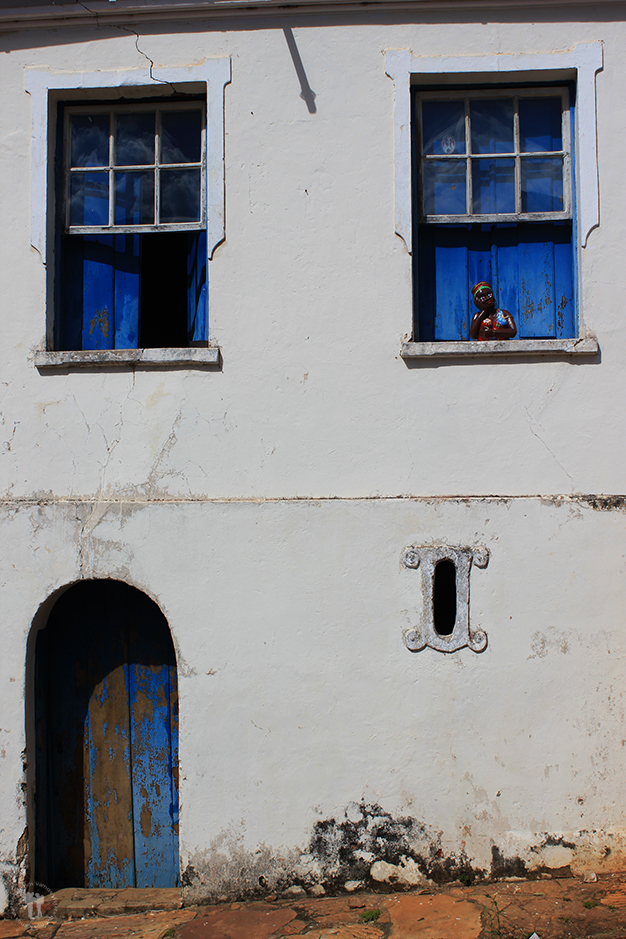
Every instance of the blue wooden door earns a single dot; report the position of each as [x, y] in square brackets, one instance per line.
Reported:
[107, 786]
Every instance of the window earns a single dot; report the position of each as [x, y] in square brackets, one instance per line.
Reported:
[132, 264]
[137, 260]
[504, 219]
[494, 174]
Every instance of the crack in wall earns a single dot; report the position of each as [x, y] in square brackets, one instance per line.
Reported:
[116, 440]
[133, 32]
[531, 420]
[153, 78]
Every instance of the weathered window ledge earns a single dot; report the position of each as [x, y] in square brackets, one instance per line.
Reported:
[136, 358]
[507, 347]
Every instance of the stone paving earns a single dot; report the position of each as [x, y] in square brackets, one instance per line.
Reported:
[552, 908]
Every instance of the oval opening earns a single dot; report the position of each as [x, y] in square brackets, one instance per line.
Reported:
[444, 597]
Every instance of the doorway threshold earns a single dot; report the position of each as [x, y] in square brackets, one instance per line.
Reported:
[78, 902]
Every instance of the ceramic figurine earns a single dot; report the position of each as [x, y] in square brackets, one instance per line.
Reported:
[489, 322]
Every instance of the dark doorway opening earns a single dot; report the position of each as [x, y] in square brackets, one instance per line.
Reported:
[106, 719]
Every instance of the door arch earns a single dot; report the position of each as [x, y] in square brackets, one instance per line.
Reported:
[106, 723]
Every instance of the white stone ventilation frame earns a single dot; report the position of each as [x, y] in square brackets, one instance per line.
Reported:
[424, 634]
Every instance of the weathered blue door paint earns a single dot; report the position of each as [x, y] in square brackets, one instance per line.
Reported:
[106, 711]
[530, 266]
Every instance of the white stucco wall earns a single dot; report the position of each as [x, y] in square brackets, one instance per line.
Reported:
[289, 481]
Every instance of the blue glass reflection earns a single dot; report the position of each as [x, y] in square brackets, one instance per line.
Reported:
[134, 198]
[89, 140]
[542, 185]
[443, 127]
[180, 196]
[444, 187]
[134, 139]
[540, 124]
[493, 186]
[89, 199]
[492, 126]
[181, 136]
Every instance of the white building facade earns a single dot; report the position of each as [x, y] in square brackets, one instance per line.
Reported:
[240, 408]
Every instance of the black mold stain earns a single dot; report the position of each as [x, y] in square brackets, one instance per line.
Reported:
[506, 866]
[189, 876]
[347, 849]
[14, 901]
[605, 503]
[553, 842]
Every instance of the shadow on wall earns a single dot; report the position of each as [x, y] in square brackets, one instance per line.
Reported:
[307, 92]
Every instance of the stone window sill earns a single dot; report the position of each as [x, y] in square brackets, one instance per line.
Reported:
[134, 358]
[555, 348]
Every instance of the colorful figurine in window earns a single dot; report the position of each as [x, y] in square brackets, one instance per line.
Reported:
[489, 322]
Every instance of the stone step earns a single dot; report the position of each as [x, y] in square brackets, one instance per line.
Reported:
[76, 902]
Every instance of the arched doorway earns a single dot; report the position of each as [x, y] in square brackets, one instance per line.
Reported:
[106, 720]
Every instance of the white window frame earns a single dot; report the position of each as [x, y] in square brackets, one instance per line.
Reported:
[582, 63]
[44, 85]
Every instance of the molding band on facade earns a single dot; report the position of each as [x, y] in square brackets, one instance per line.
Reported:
[108, 13]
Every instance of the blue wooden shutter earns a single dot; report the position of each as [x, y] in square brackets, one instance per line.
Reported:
[530, 266]
[197, 312]
[100, 292]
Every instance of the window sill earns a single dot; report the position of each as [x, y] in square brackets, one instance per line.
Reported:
[554, 348]
[135, 358]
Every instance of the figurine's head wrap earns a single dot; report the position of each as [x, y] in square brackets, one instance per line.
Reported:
[480, 286]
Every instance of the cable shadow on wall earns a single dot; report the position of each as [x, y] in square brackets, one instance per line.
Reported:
[306, 92]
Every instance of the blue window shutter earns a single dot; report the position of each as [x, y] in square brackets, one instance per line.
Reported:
[197, 312]
[530, 266]
[98, 327]
[451, 262]
[70, 327]
[127, 261]
[564, 285]
[100, 292]
[535, 311]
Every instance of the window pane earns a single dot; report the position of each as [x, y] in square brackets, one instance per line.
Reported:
[493, 186]
[180, 196]
[443, 127]
[542, 185]
[89, 140]
[134, 198]
[89, 199]
[181, 136]
[492, 126]
[134, 139]
[540, 124]
[444, 187]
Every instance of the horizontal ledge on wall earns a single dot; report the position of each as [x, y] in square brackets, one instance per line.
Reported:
[153, 358]
[43, 15]
[494, 349]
